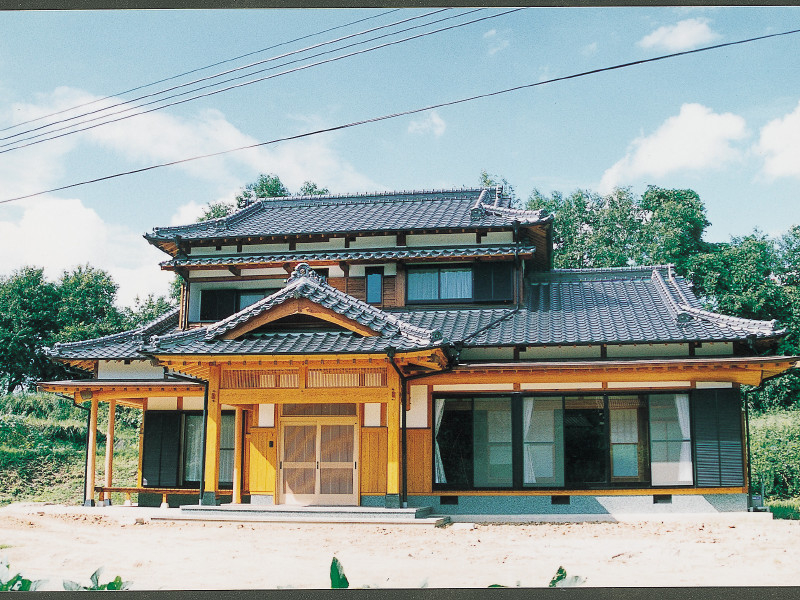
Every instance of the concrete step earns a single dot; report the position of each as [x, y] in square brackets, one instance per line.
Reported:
[322, 518]
[286, 512]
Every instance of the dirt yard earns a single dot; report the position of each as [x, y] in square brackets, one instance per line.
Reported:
[55, 543]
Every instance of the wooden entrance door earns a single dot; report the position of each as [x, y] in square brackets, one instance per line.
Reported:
[318, 461]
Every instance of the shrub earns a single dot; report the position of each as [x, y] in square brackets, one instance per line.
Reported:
[775, 453]
[785, 509]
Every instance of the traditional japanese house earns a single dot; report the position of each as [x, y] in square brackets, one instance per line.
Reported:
[418, 348]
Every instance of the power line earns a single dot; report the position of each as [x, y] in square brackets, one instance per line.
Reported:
[175, 87]
[216, 64]
[404, 113]
[17, 145]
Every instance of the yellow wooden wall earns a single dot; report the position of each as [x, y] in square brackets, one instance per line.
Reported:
[373, 460]
[419, 461]
[262, 461]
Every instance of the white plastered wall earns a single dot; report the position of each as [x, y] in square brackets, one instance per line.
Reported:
[135, 369]
[417, 415]
[636, 350]
[487, 354]
[559, 352]
[372, 414]
[714, 349]
[444, 239]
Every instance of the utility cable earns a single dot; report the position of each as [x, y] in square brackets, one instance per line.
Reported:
[221, 74]
[404, 113]
[216, 64]
[17, 145]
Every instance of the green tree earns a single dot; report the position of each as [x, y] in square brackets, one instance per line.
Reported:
[311, 189]
[215, 210]
[145, 310]
[28, 322]
[86, 306]
[736, 279]
[673, 223]
[266, 186]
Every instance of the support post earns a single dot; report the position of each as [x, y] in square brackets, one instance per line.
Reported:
[213, 427]
[237, 457]
[112, 410]
[90, 456]
[393, 444]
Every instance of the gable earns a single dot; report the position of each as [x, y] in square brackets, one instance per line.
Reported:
[297, 307]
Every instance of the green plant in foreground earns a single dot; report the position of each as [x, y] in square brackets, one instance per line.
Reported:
[15, 583]
[561, 579]
[785, 509]
[115, 584]
[338, 578]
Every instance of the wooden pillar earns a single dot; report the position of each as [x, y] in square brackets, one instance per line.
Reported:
[139, 476]
[90, 456]
[213, 427]
[112, 410]
[237, 457]
[393, 442]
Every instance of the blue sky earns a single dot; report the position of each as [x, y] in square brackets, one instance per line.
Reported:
[725, 123]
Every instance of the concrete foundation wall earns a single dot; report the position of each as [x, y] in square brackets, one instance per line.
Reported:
[578, 505]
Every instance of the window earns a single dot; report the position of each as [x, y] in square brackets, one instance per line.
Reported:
[523, 441]
[494, 281]
[374, 277]
[670, 443]
[439, 283]
[219, 304]
[173, 449]
[481, 282]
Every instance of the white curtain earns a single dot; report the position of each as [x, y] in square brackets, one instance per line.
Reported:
[456, 283]
[439, 466]
[423, 285]
[527, 417]
[685, 465]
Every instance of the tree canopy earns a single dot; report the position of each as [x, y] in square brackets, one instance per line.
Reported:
[35, 313]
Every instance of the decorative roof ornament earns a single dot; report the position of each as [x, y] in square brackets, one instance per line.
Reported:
[477, 213]
[304, 270]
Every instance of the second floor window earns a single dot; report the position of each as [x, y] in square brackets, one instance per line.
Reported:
[439, 283]
[218, 304]
[374, 277]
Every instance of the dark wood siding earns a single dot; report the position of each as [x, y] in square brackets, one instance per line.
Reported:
[717, 422]
[161, 454]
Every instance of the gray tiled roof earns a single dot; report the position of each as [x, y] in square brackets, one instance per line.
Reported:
[395, 211]
[119, 346]
[382, 254]
[305, 283]
[565, 307]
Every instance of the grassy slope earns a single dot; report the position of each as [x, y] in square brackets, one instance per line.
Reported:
[42, 449]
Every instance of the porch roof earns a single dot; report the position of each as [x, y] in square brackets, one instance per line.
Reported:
[641, 305]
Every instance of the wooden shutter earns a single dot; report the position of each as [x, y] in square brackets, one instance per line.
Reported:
[161, 453]
[717, 422]
[493, 281]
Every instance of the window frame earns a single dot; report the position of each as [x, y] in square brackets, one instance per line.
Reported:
[473, 269]
[237, 300]
[368, 271]
[642, 481]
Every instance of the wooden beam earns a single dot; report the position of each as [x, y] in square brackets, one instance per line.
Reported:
[91, 454]
[112, 409]
[299, 396]
[393, 439]
[213, 427]
[237, 457]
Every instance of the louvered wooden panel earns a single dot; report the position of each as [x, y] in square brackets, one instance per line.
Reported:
[390, 291]
[373, 460]
[729, 419]
[706, 441]
[252, 379]
[419, 461]
[357, 287]
[340, 283]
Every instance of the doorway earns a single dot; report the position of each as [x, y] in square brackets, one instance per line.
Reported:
[318, 464]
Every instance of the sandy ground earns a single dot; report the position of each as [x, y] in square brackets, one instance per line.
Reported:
[55, 543]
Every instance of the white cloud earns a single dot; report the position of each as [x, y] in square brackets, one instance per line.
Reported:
[490, 33]
[61, 233]
[697, 138]
[589, 49]
[779, 144]
[431, 123]
[687, 34]
[497, 41]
